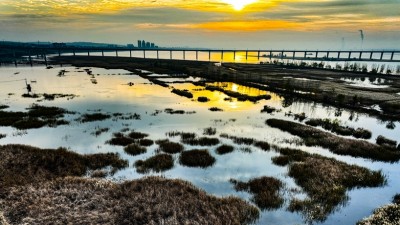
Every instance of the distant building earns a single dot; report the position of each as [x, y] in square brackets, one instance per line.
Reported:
[152, 45]
[130, 45]
[143, 44]
[139, 43]
[148, 45]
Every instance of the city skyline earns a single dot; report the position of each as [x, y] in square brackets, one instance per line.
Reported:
[255, 24]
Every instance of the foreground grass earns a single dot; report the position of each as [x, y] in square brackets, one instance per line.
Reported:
[150, 200]
[21, 164]
[388, 214]
[338, 145]
[325, 180]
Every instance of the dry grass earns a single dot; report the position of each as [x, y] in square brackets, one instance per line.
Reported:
[150, 200]
[36, 117]
[325, 180]
[225, 149]
[265, 191]
[338, 145]
[202, 141]
[21, 164]
[157, 163]
[170, 147]
[197, 158]
[135, 149]
[335, 127]
[94, 117]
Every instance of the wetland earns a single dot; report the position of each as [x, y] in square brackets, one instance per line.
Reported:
[246, 143]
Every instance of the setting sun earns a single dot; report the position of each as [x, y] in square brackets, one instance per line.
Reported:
[239, 4]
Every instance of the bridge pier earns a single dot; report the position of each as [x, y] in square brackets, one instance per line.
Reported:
[184, 55]
[197, 55]
[234, 55]
[360, 56]
[381, 55]
[327, 54]
[45, 57]
[370, 57]
[158, 55]
[170, 54]
[30, 59]
[316, 54]
[222, 55]
[144, 54]
[282, 55]
[73, 52]
[116, 53]
[305, 54]
[130, 53]
[258, 55]
[294, 55]
[270, 56]
[88, 53]
[102, 53]
[338, 55]
[209, 55]
[247, 53]
[391, 57]
[350, 55]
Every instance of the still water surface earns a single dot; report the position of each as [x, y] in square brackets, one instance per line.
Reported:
[111, 94]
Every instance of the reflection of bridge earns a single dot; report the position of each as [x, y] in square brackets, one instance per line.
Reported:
[314, 55]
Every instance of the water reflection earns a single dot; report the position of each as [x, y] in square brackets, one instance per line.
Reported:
[112, 94]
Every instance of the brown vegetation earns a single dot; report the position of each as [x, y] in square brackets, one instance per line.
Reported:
[150, 200]
[134, 149]
[21, 164]
[336, 128]
[169, 147]
[196, 158]
[342, 146]
[265, 191]
[157, 163]
[325, 180]
[224, 149]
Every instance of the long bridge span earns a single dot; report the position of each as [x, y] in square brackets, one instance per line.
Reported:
[30, 52]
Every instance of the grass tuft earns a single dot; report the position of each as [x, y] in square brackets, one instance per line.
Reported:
[134, 149]
[170, 147]
[265, 191]
[196, 158]
[224, 149]
[157, 163]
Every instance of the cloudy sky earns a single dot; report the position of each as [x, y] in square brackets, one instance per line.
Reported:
[251, 24]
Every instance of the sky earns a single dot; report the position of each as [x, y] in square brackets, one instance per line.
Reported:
[246, 24]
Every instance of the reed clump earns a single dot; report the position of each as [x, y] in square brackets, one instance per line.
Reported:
[225, 149]
[157, 163]
[94, 117]
[36, 117]
[338, 145]
[197, 158]
[265, 190]
[183, 93]
[169, 147]
[383, 141]
[202, 141]
[335, 127]
[134, 149]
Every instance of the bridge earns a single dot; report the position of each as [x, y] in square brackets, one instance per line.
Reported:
[30, 52]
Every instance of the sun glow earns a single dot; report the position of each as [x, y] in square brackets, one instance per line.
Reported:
[239, 4]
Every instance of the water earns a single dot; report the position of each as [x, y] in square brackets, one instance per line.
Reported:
[111, 94]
